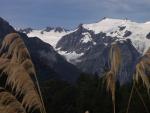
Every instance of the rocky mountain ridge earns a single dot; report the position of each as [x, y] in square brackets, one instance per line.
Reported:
[48, 63]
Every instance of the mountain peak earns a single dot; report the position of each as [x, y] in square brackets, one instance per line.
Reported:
[55, 29]
[2, 20]
[26, 30]
[49, 35]
[5, 28]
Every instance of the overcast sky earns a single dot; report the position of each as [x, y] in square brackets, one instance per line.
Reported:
[70, 13]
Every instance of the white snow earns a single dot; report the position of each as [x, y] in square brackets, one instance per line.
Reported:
[138, 36]
[51, 37]
[105, 44]
[71, 57]
[105, 25]
[94, 43]
[87, 38]
[108, 26]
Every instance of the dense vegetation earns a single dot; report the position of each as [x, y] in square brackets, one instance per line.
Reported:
[90, 94]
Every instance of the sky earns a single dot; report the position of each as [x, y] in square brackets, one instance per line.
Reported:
[70, 13]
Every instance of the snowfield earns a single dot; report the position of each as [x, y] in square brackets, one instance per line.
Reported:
[123, 29]
[87, 37]
[51, 37]
[112, 27]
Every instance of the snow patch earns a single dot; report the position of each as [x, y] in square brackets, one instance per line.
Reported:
[71, 57]
[106, 44]
[94, 43]
[51, 37]
[87, 38]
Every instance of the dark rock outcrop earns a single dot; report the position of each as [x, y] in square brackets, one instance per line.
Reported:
[56, 29]
[127, 33]
[121, 28]
[148, 36]
[26, 30]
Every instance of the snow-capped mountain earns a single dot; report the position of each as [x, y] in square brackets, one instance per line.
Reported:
[138, 33]
[88, 46]
[113, 29]
[121, 29]
[49, 35]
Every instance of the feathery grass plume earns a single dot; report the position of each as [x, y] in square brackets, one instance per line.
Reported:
[7, 41]
[142, 68]
[115, 58]
[111, 75]
[9, 103]
[3, 63]
[16, 64]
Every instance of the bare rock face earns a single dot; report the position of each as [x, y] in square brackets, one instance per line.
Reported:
[56, 29]
[127, 33]
[26, 30]
[148, 36]
[121, 28]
